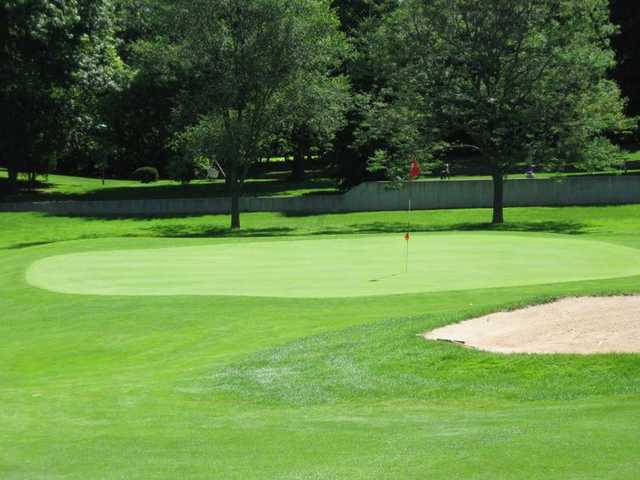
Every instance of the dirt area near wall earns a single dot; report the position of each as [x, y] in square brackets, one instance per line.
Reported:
[584, 325]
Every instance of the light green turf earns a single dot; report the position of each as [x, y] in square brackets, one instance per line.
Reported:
[262, 388]
[336, 267]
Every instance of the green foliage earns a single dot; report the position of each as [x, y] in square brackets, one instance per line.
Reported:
[311, 110]
[184, 169]
[58, 59]
[626, 14]
[358, 19]
[404, 131]
[140, 114]
[526, 81]
[243, 57]
[146, 175]
[198, 147]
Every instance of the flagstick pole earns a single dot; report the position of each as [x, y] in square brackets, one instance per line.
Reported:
[406, 263]
[414, 172]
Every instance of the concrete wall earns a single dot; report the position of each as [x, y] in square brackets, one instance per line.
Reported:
[588, 190]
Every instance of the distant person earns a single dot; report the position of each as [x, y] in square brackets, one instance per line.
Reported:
[446, 172]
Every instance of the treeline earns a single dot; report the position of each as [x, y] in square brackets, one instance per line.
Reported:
[103, 87]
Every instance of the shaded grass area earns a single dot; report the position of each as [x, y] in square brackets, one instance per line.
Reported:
[249, 388]
[62, 187]
[30, 229]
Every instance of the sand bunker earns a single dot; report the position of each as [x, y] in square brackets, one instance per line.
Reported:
[584, 325]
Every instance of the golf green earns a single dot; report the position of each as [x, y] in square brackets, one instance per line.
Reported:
[336, 267]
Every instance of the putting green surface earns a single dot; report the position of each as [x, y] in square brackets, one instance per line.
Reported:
[336, 267]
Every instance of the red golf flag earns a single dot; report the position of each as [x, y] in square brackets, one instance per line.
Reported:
[414, 172]
[407, 236]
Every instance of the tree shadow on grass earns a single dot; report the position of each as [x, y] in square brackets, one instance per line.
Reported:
[179, 229]
[191, 231]
[208, 231]
[567, 228]
[18, 246]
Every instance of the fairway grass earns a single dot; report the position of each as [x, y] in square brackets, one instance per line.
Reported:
[335, 267]
[288, 388]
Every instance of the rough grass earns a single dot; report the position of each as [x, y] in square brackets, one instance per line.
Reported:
[242, 388]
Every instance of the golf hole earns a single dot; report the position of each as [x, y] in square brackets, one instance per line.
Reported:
[336, 267]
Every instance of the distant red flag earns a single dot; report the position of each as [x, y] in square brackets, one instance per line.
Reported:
[407, 236]
[414, 172]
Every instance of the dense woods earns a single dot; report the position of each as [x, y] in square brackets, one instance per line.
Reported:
[103, 88]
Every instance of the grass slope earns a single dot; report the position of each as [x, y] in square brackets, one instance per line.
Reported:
[288, 388]
[64, 187]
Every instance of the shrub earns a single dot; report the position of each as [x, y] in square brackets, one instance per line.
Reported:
[183, 169]
[146, 175]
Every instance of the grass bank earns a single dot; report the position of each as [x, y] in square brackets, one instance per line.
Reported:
[298, 388]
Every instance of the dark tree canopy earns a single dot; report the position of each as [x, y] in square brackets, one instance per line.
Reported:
[108, 86]
[58, 58]
[358, 19]
[626, 14]
[246, 60]
[525, 81]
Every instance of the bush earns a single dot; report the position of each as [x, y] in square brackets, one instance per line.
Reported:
[146, 175]
[184, 169]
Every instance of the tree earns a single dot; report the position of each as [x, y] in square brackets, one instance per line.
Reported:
[626, 13]
[520, 80]
[55, 56]
[310, 111]
[358, 19]
[243, 57]
[140, 115]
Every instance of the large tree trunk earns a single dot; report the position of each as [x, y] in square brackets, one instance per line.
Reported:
[235, 208]
[297, 172]
[13, 179]
[236, 178]
[498, 198]
[32, 178]
[301, 149]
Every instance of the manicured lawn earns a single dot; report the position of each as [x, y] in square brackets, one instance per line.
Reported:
[333, 267]
[233, 387]
[633, 156]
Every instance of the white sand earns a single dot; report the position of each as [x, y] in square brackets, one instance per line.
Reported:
[585, 325]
